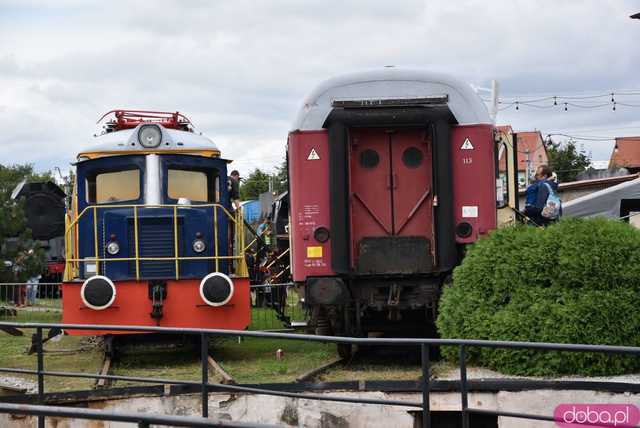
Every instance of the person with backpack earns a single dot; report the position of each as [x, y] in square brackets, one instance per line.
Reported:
[542, 204]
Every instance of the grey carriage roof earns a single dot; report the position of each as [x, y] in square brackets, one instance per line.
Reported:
[127, 139]
[605, 202]
[391, 82]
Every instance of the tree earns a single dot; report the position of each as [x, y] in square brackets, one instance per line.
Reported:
[577, 281]
[281, 178]
[256, 183]
[566, 160]
[17, 262]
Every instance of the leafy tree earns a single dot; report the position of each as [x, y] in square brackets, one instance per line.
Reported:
[20, 256]
[281, 178]
[577, 281]
[566, 160]
[256, 183]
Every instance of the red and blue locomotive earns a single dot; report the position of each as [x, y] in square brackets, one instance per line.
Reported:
[149, 237]
[392, 172]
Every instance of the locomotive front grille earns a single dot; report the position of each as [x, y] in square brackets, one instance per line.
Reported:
[155, 239]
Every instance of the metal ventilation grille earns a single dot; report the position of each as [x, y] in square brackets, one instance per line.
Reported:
[155, 239]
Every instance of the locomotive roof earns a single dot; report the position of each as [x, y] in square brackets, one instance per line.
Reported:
[391, 83]
[173, 141]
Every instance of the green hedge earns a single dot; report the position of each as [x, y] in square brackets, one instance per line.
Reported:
[577, 281]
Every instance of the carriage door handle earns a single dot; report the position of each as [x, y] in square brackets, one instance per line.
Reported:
[389, 181]
[394, 181]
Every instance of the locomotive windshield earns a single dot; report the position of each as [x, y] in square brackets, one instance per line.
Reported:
[114, 186]
[188, 184]
[196, 186]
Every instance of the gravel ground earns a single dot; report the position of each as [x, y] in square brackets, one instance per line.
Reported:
[16, 382]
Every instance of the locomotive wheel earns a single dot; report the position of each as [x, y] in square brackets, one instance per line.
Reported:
[345, 350]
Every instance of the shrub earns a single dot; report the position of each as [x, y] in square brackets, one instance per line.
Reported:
[577, 281]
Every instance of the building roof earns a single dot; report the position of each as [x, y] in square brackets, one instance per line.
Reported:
[605, 202]
[626, 152]
[505, 132]
[391, 83]
[531, 142]
[507, 129]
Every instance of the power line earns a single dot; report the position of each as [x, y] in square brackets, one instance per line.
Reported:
[567, 101]
[537, 97]
[564, 104]
[577, 137]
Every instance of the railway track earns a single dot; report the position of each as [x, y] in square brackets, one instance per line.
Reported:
[107, 363]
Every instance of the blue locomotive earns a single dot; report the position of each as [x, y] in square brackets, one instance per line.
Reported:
[151, 238]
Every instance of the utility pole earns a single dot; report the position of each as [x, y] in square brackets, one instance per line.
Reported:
[493, 111]
[528, 169]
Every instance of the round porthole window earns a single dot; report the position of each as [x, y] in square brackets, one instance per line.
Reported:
[412, 157]
[369, 159]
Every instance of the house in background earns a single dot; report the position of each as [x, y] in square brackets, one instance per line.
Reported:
[626, 154]
[531, 153]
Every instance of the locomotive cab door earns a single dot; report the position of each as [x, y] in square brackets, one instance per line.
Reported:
[391, 201]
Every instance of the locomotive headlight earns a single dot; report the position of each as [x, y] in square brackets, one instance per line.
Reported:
[199, 246]
[216, 289]
[98, 292]
[113, 248]
[149, 136]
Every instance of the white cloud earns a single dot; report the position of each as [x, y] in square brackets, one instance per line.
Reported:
[240, 69]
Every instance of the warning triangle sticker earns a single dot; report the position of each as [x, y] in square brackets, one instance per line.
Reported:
[313, 155]
[467, 145]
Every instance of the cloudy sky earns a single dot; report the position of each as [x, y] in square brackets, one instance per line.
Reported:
[240, 69]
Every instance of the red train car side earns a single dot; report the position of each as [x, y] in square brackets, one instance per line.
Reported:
[391, 172]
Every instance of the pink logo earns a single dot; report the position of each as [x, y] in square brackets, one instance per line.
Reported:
[597, 415]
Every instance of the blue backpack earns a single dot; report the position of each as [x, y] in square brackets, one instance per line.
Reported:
[551, 210]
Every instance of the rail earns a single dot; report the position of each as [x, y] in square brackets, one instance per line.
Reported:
[71, 238]
[205, 386]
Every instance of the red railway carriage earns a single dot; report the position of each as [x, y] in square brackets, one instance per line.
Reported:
[391, 173]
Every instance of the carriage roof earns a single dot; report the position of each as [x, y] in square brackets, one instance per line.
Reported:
[391, 83]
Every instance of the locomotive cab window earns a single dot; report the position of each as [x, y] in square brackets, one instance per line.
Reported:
[113, 186]
[196, 186]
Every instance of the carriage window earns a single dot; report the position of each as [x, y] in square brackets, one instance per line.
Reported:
[369, 159]
[412, 157]
[192, 185]
[115, 186]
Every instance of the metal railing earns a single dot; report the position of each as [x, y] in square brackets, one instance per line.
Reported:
[29, 297]
[276, 307]
[205, 386]
[71, 239]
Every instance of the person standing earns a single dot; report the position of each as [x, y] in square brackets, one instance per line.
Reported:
[20, 291]
[234, 189]
[233, 186]
[32, 290]
[537, 195]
